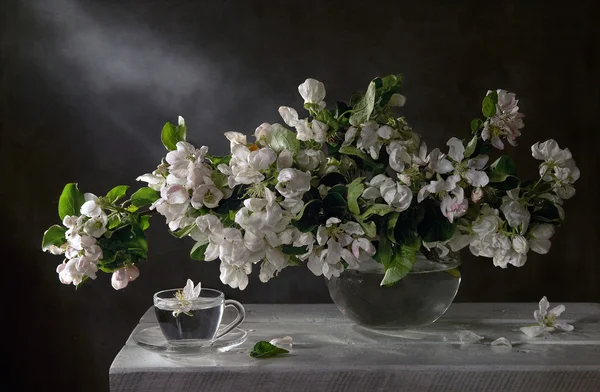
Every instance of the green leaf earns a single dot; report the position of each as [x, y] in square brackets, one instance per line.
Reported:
[264, 349]
[476, 125]
[280, 138]
[369, 163]
[172, 134]
[504, 165]
[184, 231]
[55, 235]
[219, 179]
[70, 201]
[502, 174]
[332, 179]
[435, 226]
[377, 209]
[334, 205]
[294, 250]
[546, 212]
[216, 161]
[389, 81]
[127, 244]
[197, 252]
[370, 228]
[117, 193]
[113, 221]
[384, 250]
[341, 189]
[309, 216]
[402, 261]
[355, 190]
[471, 146]
[363, 109]
[144, 197]
[488, 106]
[145, 221]
[391, 226]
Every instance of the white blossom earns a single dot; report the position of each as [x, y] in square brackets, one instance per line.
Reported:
[456, 149]
[96, 227]
[539, 237]
[313, 92]
[547, 320]
[261, 133]
[507, 121]
[91, 208]
[438, 162]
[293, 183]
[363, 249]
[397, 100]
[315, 130]
[396, 194]
[438, 187]
[515, 210]
[206, 195]
[372, 137]
[186, 296]
[399, 156]
[184, 159]
[474, 173]
[235, 275]
[309, 159]
[520, 244]
[235, 138]
[68, 273]
[454, 205]
[245, 166]
[558, 167]
[333, 239]
[285, 160]
[121, 277]
[488, 222]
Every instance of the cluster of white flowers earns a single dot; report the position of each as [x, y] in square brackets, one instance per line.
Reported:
[453, 204]
[490, 239]
[185, 184]
[81, 250]
[338, 241]
[507, 122]
[313, 92]
[280, 199]
[393, 192]
[558, 167]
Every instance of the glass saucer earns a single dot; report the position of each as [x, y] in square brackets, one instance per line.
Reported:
[152, 339]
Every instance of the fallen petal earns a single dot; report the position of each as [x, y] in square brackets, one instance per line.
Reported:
[564, 326]
[467, 337]
[501, 346]
[284, 342]
[501, 342]
[533, 331]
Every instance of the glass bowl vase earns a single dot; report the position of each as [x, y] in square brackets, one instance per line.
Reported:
[417, 300]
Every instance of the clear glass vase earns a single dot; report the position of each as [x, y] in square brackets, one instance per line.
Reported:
[417, 300]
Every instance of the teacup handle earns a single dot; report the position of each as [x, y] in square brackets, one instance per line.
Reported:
[241, 315]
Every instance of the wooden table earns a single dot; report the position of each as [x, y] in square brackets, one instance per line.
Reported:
[331, 354]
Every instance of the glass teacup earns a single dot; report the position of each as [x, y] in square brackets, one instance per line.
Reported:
[195, 321]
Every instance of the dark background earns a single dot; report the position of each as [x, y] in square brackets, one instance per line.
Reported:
[87, 85]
